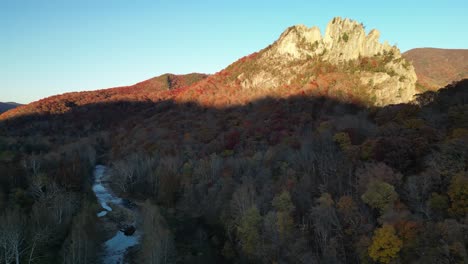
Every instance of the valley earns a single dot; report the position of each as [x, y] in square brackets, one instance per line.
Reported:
[315, 149]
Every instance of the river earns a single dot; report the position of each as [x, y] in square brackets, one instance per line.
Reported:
[116, 247]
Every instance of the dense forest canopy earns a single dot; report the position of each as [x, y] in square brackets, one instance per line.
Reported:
[302, 178]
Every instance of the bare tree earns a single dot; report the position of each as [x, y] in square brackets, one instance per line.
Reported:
[39, 235]
[168, 179]
[50, 215]
[322, 162]
[32, 165]
[41, 228]
[134, 169]
[158, 244]
[12, 236]
[327, 228]
[123, 175]
[80, 246]
[243, 199]
[63, 207]
[417, 191]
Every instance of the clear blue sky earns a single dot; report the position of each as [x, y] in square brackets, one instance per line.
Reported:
[49, 47]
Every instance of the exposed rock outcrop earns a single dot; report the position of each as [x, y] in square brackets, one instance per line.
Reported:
[392, 81]
[346, 39]
[128, 230]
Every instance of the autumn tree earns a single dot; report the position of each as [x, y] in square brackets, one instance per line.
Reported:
[376, 171]
[284, 207]
[343, 140]
[380, 195]
[385, 244]
[350, 215]
[249, 231]
[438, 204]
[458, 193]
[454, 237]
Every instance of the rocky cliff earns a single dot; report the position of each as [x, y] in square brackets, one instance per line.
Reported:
[345, 44]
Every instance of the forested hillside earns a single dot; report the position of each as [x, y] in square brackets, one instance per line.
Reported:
[298, 179]
[438, 67]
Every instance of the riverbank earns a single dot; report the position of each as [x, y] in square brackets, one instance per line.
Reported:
[117, 218]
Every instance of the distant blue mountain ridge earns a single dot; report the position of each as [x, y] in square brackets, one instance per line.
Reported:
[7, 106]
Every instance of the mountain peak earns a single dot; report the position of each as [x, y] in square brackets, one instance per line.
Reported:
[344, 39]
[297, 41]
[345, 44]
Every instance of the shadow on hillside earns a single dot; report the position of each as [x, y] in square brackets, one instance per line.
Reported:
[277, 114]
[80, 120]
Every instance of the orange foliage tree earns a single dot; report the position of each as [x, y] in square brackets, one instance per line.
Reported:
[385, 245]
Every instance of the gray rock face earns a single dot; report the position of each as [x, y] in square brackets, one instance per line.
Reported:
[297, 42]
[344, 40]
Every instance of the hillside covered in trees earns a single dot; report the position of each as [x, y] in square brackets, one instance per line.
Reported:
[298, 180]
[438, 67]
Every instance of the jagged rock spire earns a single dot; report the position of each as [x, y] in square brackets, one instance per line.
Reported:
[344, 40]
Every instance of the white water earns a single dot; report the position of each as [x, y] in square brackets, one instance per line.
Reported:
[103, 194]
[116, 247]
